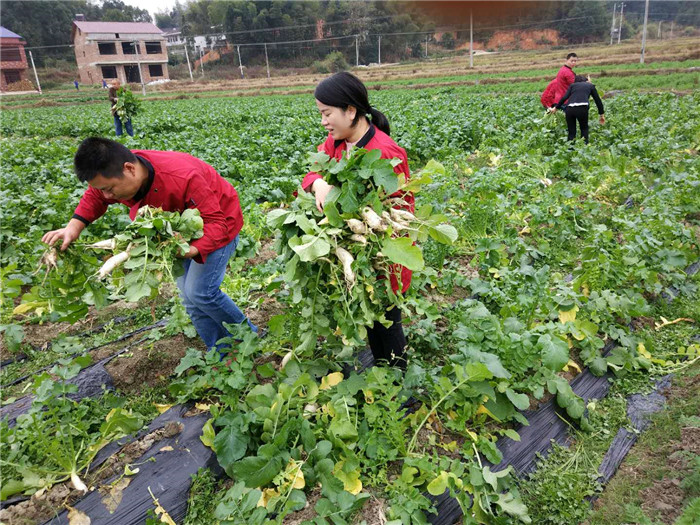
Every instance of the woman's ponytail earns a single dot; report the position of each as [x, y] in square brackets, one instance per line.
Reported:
[380, 121]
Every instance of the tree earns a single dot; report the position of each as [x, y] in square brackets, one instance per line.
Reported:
[591, 22]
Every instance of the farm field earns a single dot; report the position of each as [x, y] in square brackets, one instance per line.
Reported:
[568, 260]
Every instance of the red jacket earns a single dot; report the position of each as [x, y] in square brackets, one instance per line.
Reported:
[373, 139]
[180, 181]
[547, 97]
[564, 79]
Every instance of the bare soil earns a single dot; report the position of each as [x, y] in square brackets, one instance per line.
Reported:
[261, 315]
[149, 364]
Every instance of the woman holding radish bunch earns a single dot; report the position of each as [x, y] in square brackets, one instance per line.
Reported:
[175, 182]
[352, 122]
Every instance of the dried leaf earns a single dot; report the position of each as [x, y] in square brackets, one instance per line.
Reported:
[160, 511]
[162, 408]
[166, 448]
[76, 517]
[113, 498]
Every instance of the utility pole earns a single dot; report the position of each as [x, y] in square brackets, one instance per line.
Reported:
[426, 46]
[267, 62]
[471, 40]
[31, 57]
[201, 60]
[240, 63]
[612, 27]
[644, 31]
[357, 50]
[658, 35]
[138, 63]
[671, 35]
[622, 11]
[379, 50]
[189, 67]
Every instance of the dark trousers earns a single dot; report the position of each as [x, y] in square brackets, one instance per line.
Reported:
[389, 344]
[118, 127]
[580, 114]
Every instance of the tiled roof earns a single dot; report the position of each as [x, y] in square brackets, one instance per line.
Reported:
[117, 27]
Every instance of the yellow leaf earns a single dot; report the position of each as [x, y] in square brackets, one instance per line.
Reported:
[160, 511]
[473, 435]
[369, 396]
[27, 307]
[451, 446]
[572, 364]
[208, 434]
[162, 408]
[569, 315]
[166, 448]
[642, 350]
[331, 380]
[202, 406]
[483, 410]
[585, 290]
[75, 517]
[113, 497]
[266, 496]
[351, 480]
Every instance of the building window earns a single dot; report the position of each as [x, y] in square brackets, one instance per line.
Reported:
[155, 70]
[109, 72]
[107, 48]
[153, 48]
[12, 76]
[131, 48]
[116, 35]
[10, 54]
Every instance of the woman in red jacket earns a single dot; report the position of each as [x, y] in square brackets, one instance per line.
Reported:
[352, 122]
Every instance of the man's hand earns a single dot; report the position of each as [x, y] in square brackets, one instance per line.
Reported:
[191, 254]
[553, 109]
[602, 119]
[321, 189]
[68, 234]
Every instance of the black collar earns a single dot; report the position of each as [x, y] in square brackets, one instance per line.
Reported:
[151, 175]
[364, 140]
[568, 67]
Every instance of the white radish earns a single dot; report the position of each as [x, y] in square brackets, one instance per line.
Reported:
[323, 221]
[373, 220]
[402, 215]
[77, 482]
[346, 260]
[361, 239]
[108, 244]
[396, 226]
[112, 263]
[286, 359]
[357, 226]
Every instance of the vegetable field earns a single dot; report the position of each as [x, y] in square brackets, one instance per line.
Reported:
[535, 262]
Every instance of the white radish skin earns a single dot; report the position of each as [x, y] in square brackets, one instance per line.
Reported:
[77, 482]
[108, 244]
[396, 226]
[361, 239]
[286, 359]
[323, 221]
[402, 215]
[357, 226]
[112, 263]
[346, 260]
[373, 220]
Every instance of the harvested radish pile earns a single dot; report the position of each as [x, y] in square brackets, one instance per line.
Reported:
[341, 262]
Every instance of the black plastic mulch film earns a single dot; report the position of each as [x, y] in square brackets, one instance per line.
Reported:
[169, 477]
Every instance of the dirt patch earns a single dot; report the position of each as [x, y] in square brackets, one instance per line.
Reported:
[41, 506]
[39, 335]
[690, 440]
[266, 253]
[270, 307]
[664, 499]
[372, 513]
[149, 364]
[307, 513]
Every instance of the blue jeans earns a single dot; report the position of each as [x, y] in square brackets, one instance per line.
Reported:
[206, 304]
[118, 127]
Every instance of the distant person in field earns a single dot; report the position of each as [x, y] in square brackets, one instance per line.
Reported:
[565, 76]
[172, 181]
[77, 86]
[352, 122]
[578, 96]
[116, 84]
[104, 84]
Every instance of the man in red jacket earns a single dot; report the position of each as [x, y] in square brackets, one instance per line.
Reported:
[172, 181]
[565, 76]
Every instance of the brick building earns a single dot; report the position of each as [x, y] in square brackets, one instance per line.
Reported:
[123, 50]
[13, 60]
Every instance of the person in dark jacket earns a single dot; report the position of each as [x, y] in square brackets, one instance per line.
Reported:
[172, 181]
[577, 97]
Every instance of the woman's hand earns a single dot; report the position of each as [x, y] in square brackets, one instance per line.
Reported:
[602, 119]
[320, 188]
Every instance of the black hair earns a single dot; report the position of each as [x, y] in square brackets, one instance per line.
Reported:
[571, 55]
[100, 156]
[580, 78]
[345, 89]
